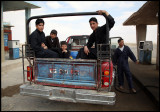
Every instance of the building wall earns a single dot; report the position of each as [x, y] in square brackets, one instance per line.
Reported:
[157, 60]
[9, 33]
[2, 38]
[140, 35]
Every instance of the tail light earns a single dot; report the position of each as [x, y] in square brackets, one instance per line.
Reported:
[106, 73]
[29, 72]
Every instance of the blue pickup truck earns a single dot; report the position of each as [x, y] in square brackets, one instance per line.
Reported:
[69, 80]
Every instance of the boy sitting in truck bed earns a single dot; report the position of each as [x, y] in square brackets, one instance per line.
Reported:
[65, 53]
[52, 41]
[38, 43]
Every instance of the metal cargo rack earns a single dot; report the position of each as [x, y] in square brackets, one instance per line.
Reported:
[29, 54]
[104, 55]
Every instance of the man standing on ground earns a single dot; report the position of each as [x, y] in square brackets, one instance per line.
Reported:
[37, 41]
[98, 36]
[121, 60]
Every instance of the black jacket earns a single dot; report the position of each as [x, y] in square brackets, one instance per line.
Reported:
[99, 35]
[36, 39]
[64, 55]
[50, 44]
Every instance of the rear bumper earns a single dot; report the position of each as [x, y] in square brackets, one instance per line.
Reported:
[69, 94]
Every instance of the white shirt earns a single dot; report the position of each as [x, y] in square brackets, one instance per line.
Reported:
[52, 40]
[121, 48]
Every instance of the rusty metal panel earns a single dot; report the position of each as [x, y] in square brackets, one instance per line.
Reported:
[76, 72]
[69, 94]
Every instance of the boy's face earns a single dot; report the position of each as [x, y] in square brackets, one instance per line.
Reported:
[53, 35]
[40, 27]
[93, 25]
[64, 47]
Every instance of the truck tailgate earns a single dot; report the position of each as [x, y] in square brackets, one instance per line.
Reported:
[75, 73]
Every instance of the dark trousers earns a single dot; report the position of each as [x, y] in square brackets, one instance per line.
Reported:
[121, 71]
[46, 53]
[92, 55]
[58, 51]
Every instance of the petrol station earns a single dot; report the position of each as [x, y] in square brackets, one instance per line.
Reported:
[142, 73]
[6, 28]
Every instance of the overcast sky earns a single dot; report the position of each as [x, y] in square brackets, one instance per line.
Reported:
[79, 25]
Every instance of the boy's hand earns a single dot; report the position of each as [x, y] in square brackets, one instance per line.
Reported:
[100, 12]
[86, 50]
[137, 62]
[64, 51]
[45, 47]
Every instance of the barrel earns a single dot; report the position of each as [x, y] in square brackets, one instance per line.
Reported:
[73, 54]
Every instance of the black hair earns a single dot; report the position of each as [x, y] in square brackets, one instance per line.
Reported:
[54, 32]
[38, 21]
[119, 40]
[63, 43]
[93, 19]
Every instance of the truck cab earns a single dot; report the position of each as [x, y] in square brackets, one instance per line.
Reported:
[75, 42]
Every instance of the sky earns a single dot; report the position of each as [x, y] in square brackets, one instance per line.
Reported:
[79, 25]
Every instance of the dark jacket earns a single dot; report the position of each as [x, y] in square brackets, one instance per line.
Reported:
[50, 44]
[121, 58]
[99, 35]
[36, 39]
[65, 55]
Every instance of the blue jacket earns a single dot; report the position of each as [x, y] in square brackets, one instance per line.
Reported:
[120, 58]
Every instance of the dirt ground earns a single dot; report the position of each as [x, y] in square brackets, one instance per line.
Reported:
[11, 100]
[10, 91]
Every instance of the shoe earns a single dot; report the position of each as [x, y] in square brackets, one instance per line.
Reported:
[121, 87]
[133, 91]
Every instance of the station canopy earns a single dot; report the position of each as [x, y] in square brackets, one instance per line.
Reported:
[17, 5]
[147, 14]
